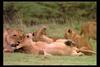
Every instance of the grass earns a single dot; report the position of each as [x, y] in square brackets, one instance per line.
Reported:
[53, 30]
[38, 13]
[29, 59]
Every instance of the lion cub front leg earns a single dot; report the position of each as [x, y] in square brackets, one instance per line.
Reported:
[46, 54]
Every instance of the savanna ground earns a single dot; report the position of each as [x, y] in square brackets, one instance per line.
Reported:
[54, 29]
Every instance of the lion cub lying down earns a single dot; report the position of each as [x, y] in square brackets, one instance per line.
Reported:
[10, 38]
[82, 44]
[54, 48]
[40, 35]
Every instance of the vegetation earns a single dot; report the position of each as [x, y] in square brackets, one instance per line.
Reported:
[31, 13]
[29, 59]
[57, 16]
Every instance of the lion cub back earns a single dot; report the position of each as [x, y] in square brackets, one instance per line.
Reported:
[89, 30]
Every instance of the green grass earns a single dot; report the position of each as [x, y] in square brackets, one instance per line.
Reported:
[32, 11]
[29, 59]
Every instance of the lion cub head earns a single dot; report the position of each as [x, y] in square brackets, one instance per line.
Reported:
[11, 37]
[70, 33]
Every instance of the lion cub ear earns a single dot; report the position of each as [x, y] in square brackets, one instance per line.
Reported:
[69, 31]
[27, 36]
[7, 28]
[44, 27]
[33, 33]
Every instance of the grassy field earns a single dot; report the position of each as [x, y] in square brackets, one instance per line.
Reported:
[53, 30]
[57, 17]
[29, 59]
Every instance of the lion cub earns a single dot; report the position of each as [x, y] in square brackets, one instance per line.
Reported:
[89, 30]
[82, 44]
[11, 38]
[54, 48]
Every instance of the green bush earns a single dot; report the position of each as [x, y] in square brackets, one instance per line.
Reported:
[48, 12]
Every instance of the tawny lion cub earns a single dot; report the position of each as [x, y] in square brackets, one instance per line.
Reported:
[82, 44]
[55, 48]
[10, 39]
[41, 31]
[88, 30]
[40, 35]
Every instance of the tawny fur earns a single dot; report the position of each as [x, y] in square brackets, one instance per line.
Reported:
[88, 30]
[10, 38]
[40, 35]
[54, 48]
[82, 44]
[39, 32]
